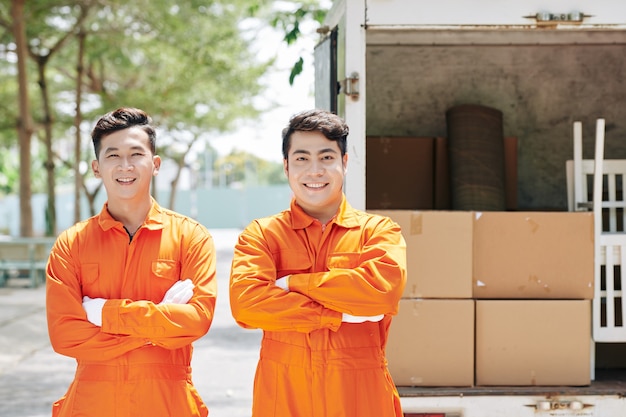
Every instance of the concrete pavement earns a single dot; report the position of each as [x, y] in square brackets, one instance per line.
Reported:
[33, 376]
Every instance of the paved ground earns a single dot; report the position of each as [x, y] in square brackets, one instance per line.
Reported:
[33, 376]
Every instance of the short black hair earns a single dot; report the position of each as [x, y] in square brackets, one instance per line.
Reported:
[120, 119]
[329, 124]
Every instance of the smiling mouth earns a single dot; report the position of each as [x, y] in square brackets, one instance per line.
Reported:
[125, 180]
[316, 186]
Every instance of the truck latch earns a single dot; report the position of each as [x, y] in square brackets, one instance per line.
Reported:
[350, 86]
[547, 405]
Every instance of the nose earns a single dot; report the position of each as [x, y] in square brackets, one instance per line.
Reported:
[126, 164]
[317, 168]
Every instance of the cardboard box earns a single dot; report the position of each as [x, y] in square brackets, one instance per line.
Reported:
[400, 173]
[439, 252]
[533, 255]
[431, 343]
[533, 342]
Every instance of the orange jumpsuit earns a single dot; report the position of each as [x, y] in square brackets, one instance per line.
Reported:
[311, 364]
[138, 362]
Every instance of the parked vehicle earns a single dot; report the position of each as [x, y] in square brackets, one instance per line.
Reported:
[393, 68]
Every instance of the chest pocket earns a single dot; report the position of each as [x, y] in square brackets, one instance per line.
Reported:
[89, 279]
[343, 261]
[166, 269]
[292, 262]
[166, 273]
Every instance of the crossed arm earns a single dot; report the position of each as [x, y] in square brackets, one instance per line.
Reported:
[364, 288]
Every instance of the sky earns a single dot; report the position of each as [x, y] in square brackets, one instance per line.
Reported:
[263, 137]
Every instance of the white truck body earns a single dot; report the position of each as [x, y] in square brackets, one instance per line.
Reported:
[364, 38]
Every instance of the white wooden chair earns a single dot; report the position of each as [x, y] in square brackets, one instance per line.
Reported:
[607, 179]
[609, 312]
[579, 173]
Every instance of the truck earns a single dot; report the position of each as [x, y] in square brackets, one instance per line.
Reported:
[394, 68]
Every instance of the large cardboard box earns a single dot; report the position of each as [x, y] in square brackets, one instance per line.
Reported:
[533, 342]
[431, 343]
[533, 255]
[439, 252]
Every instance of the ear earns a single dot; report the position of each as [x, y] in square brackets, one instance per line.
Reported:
[345, 163]
[156, 161]
[95, 168]
[286, 167]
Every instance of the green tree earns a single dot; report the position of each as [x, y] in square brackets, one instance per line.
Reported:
[189, 64]
[44, 42]
[9, 172]
[287, 17]
[24, 119]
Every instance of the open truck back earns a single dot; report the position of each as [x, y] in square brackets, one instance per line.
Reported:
[393, 69]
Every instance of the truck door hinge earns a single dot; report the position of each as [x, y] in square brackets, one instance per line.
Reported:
[350, 86]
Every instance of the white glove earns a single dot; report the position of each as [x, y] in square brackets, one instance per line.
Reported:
[93, 307]
[179, 293]
[283, 283]
[347, 318]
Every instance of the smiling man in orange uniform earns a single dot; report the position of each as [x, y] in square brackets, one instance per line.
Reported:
[322, 280]
[131, 288]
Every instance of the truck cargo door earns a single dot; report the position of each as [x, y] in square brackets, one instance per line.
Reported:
[326, 88]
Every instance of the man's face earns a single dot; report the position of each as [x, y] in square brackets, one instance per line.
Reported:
[316, 170]
[126, 164]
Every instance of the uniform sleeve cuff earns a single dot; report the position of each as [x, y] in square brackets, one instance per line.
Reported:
[299, 283]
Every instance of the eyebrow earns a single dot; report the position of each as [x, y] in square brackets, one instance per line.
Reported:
[321, 151]
[116, 149]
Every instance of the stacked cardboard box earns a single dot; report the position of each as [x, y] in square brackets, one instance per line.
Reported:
[431, 341]
[494, 298]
